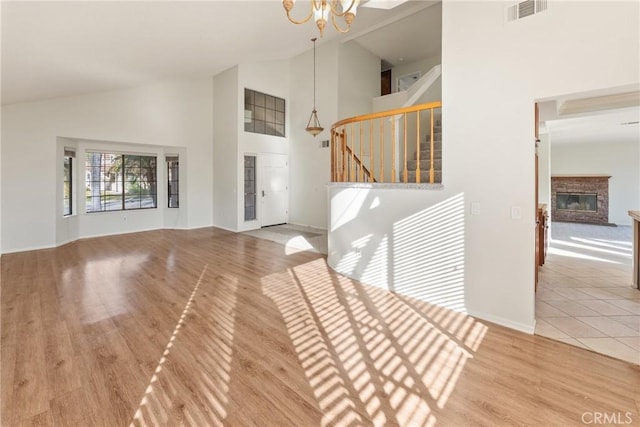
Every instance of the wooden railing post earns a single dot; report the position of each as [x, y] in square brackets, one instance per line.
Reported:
[393, 150]
[381, 150]
[343, 135]
[361, 178]
[418, 146]
[432, 171]
[352, 165]
[334, 160]
[405, 172]
[371, 149]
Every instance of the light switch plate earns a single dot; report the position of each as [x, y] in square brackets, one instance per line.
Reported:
[516, 212]
[475, 208]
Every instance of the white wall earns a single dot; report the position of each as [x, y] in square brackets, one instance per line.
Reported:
[492, 74]
[358, 80]
[343, 70]
[409, 241]
[620, 160]
[402, 69]
[310, 166]
[225, 149]
[166, 114]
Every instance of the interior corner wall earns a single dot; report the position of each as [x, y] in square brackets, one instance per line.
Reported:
[422, 65]
[272, 78]
[309, 163]
[619, 160]
[225, 149]
[492, 74]
[172, 113]
[358, 80]
[348, 78]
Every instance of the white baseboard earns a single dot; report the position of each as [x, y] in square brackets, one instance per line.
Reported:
[522, 327]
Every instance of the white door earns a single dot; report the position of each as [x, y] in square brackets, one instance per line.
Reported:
[273, 181]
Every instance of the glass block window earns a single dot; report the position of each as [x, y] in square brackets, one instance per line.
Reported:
[263, 113]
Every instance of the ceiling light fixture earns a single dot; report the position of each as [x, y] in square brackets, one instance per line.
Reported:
[321, 9]
[313, 127]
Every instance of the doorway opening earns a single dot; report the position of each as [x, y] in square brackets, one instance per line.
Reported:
[585, 295]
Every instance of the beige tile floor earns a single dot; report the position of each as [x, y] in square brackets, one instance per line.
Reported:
[295, 238]
[584, 293]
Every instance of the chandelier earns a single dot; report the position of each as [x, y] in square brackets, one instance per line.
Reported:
[314, 127]
[321, 9]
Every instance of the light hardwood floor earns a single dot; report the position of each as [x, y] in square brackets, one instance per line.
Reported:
[207, 327]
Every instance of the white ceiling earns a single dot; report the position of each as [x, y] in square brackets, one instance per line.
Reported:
[606, 118]
[601, 127]
[60, 48]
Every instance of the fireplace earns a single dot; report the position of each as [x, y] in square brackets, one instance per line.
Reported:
[577, 202]
[580, 199]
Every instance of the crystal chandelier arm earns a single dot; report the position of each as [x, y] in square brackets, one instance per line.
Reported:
[335, 25]
[288, 5]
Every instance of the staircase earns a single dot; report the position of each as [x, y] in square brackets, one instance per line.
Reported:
[386, 139]
[425, 156]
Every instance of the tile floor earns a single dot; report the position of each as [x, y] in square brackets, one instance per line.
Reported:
[584, 293]
[295, 238]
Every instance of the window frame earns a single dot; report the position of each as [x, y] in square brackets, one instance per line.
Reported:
[264, 114]
[67, 182]
[173, 176]
[123, 177]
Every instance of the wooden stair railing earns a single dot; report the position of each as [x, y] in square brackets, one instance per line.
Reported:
[361, 172]
[387, 146]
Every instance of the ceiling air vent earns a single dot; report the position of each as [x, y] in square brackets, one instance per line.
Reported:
[525, 8]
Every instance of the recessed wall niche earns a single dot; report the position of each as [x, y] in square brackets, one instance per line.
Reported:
[263, 113]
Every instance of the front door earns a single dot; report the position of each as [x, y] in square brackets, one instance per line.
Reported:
[274, 188]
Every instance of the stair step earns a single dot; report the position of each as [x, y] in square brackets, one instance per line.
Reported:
[426, 154]
[424, 164]
[427, 145]
[437, 136]
[424, 177]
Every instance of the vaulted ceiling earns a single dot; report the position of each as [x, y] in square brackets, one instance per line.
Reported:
[60, 48]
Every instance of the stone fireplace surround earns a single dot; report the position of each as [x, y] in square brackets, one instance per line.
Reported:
[581, 184]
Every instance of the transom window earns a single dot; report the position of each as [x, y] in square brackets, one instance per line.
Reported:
[263, 113]
[120, 182]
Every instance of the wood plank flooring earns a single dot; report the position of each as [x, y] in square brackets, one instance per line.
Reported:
[207, 327]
